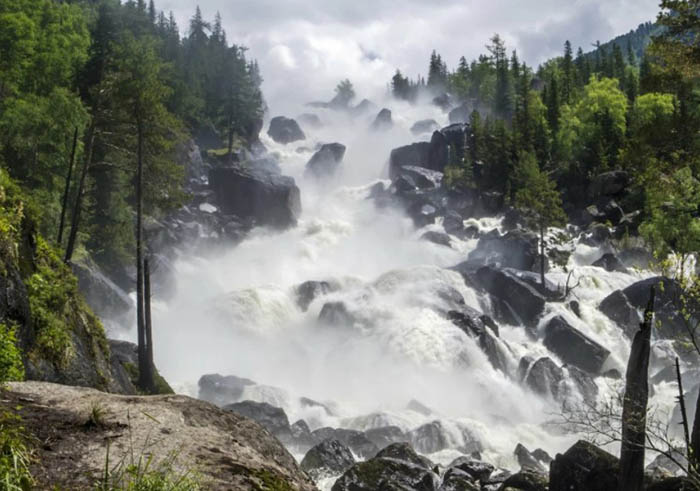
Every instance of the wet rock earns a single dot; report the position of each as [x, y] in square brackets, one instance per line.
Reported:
[221, 390]
[422, 213]
[575, 307]
[450, 137]
[409, 155]
[523, 301]
[272, 418]
[584, 467]
[610, 262]
[301, 437]
[325, 162]
[611, 183]
[268, 198]
[617, 307]
[526, 460]
[285, 130]
[543, 376]
[404, 452]
[478, 470]
[438, 238]
[309, 291]
[542, 456]
[103, 296]
[433, 437]
[328, 458]
[383, 121]
[387, 473]
[526, 480]
[421, 177]
[516, 249]
[598, 235]
[495, 350]
[574, 347]
[353, 439]
[457, 480]
[336, 314]
[453, 223]
[584, 383]
[384, 436]
[424, 126]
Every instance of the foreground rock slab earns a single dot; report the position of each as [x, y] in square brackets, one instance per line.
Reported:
[225, 450]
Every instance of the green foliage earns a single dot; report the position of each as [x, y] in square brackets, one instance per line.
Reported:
[672, 225]
[11, 366]
[15, 455]
[161, 385]
[537, 196]
[344, 93]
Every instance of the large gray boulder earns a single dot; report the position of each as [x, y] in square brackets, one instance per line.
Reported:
[574, 347]
[268, 198]
[325, 162]
[285, 130]
[450, 138]
[328, 458]
[272, 418]
[221, 390]
[383, 121]
[415, 154]
[353, 439]
[424, 126]
[584, 467]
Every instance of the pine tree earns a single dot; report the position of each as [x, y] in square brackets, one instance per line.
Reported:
[552, 103]
[502, 98]
[568, 74]
[152, 12]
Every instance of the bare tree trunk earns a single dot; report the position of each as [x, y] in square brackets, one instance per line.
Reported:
[684, 413]
[75, 222]
[140, 325]
[634, 409]
[149, 326]
[544, 288]
[66, 191]
[695, 440]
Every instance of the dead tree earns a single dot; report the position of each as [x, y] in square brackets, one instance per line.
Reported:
[66, 190]
[695, 441]
[634, 408]
[684, 413]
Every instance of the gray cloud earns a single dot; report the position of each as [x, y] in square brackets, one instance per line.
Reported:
[305, 46]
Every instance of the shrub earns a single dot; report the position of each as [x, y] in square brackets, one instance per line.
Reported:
[14, 455]
[11, 366]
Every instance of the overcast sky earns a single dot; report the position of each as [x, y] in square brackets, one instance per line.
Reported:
[305, 46]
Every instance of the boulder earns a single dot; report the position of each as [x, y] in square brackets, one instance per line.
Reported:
[433, 437]
[328, 458]
[461, 114]
[438, 238]
[450, 137]
[310, 120]
[285, 130]
[521, 299]
[584, 467]
[597, 235]
[605, 210]
[221, 390]
[516, 249]
[387, 474]
[103, 296]
[409, 155]
[301, 437]
[421, 177]
[495, 349]
[424, 126]
[363, 107]
[443, 101]
[309, 291]
[270, 199]
[617, 308]
[526, 480]
[453, 223]
[383, 121]
[610, 262]
[456, 479]
[574, 347]
[584, 383]
[272, 418]
[384, 436]
[422, 213]
[336, 314]
[611, 183]
[404, 452]
[543, 376]
[353, 439]
[325, 162]
[526, 460]
[478, 470]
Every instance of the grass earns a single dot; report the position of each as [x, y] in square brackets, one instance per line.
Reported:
[15, 455]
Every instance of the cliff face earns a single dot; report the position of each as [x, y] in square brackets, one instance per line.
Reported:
[58, 338]
[75, 427]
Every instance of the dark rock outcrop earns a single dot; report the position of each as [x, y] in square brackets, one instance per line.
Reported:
[543, 376]
[383, 121]
[584, 467]
[384, 436]
[450, 138]
[272, 418]
[221, 390]
[270, 199]
[104, 297]
[325, 162]
[424, 126]
[398, 469]
[330, 457]
[516, 249]
[409, 155]
[574, 347]
[353, 439]
[526, 480]
[618, 308]
[335, 314]
[285, 130]
[309, 291]
[438, 238]
[610, 262]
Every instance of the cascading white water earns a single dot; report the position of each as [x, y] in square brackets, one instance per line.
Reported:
[235, 311]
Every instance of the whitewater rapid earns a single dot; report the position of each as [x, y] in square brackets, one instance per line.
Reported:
[235, 312]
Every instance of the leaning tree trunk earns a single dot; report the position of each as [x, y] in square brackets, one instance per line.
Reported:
[634, 409]
[695, 440]
[66, 191]
[75, 222]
